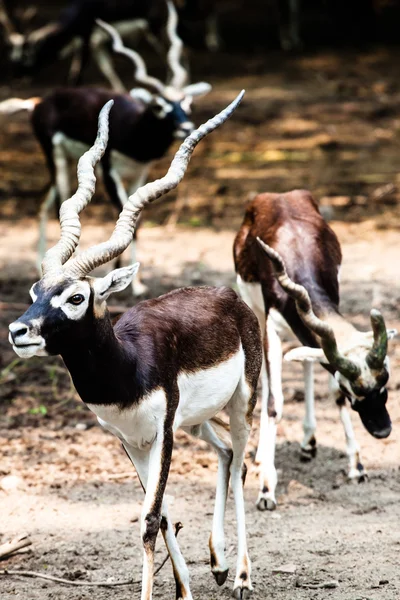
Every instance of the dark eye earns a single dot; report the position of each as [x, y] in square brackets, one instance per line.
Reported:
[76, 299]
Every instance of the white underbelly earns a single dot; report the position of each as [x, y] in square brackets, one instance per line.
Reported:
[125, 166]
[201, 396]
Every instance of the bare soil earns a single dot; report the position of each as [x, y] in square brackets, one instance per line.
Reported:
[327, 122]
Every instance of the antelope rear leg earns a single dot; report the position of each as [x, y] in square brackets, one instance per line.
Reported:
[271, 412]
[212, 432]
[240, 424]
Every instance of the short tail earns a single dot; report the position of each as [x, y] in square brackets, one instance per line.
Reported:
[13, 105]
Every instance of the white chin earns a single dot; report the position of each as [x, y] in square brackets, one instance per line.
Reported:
[29, 351]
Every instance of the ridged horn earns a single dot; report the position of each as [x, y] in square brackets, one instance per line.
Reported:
[376, 356]
[122, 235]
[304, 307]
[179, 74]
[140, 73]
[70, 224]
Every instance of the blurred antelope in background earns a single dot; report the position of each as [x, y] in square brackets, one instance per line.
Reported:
[75, 32]
[287, 261]
[143, 126]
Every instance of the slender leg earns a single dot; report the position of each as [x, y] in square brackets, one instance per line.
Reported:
[219, 566]
[118, 197]
[309, 444]
[138, 287]
[140, 460]
[356, 469]
[212, 38]
[104, 62]
[271, 413]
[61, 167]
[75, 69]
[252, 295]
[240, 429]
[43, 214]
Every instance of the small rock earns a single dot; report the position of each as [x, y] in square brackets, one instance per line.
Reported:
[285, 570]
[275, 515]
[10, 482]
[383, 581]
[81, 426]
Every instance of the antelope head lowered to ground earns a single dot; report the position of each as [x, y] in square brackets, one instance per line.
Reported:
[170, 362]
[289, 229]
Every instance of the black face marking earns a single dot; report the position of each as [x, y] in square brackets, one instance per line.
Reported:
[57, 329]
[373, 413]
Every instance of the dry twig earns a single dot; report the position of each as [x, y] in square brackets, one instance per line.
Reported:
[35, 574]
[13, 545]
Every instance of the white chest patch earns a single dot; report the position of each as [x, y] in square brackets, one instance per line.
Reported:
[201, 396]
[138, 424]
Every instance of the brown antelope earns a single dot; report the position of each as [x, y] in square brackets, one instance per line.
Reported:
[144, 124]
[285, 233]
[174, 361]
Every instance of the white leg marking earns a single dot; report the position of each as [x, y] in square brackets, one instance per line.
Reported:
[240, 429]
[104, 62]
[138, 288]
[308, 445]
[356, 469]
[43, 215]
[61, 164]
[219, 566]
[212, 39]
[140, 460]
[266, 450]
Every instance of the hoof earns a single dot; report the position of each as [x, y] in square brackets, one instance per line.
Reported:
[308, 453]
[220, 576]
[266, 504]
[358, 475]
[241, 593]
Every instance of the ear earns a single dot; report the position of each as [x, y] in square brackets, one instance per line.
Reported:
[304, 353]
[141, 94]
[197, 89]
[116, 281]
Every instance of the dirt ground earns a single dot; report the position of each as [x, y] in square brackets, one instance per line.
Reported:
[327, 122]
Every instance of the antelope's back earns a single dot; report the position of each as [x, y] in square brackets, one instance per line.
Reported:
[291, 224]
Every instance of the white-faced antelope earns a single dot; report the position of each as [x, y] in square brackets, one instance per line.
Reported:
[143, 126]
[305, 254]
[171, 362]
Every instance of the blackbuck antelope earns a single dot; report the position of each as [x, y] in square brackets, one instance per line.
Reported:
[75, 32]
[143, 126]
[174, 361]
[305, 255]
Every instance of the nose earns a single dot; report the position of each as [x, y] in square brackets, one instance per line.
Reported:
[187, 126]
[17, 329]
[382, 433]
